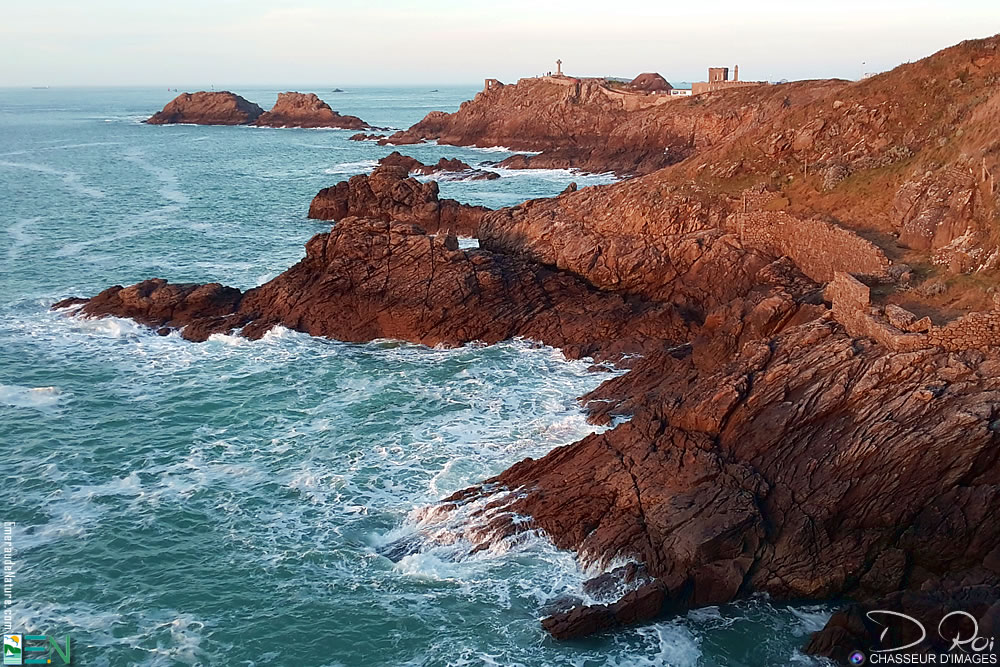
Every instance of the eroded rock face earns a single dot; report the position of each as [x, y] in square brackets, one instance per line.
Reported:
[204, 108]
[664, 241]
[810, 467]
[933, 210]
[307, 110]
[389, 193]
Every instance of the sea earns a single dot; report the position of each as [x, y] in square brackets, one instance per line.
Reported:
[230, 502]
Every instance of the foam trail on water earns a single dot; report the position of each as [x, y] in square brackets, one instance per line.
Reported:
[169, 183]
[71, 179]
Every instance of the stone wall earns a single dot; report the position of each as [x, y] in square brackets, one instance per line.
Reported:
[973, 331]
[851, 300]
[819, 248]
[898, 329]
[712, 86]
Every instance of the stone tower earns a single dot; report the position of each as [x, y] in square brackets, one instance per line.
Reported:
[736, 72]
[717, 74]
[559, 67]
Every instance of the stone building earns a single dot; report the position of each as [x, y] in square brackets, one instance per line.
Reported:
[718, 79]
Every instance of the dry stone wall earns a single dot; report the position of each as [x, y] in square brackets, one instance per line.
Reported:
[900, 330]
[817, 247]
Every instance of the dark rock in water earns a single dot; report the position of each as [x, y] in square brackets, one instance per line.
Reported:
[336, 90]
[204, 108]
[399, 549]
[306, 110]
[463, 170]
[361, 136]
[610, 584]
[560, 605]
[68, 303]
[641, 604]
[388, 193]
[572, 187]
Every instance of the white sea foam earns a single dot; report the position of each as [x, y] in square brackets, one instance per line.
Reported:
[39, 398]
[499, 149]
[169, 183]
[20, 236]
[358, 167]
[588, 178]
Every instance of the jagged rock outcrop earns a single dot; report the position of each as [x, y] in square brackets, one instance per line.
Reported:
[306, 110]
[362, 136]
[368, 279]
[389, 193]
[664, 241]
[811, 466]
[453, 168]
[205, 108]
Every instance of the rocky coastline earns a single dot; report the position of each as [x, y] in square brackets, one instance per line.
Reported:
[761, 445]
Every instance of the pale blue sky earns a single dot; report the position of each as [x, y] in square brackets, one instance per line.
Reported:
[188, 43]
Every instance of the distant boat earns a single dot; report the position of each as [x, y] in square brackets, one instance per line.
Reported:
[39, 87]
[434, 91]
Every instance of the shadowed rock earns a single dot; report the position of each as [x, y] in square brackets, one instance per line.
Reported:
[388, 193]
[461, 170]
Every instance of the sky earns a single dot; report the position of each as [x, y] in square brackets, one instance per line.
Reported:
[184, 43]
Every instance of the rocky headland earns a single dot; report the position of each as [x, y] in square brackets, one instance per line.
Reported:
[807, 275]
[225, 108]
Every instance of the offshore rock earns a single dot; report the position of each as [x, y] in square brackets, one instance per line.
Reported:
[203, 108]
[306, 110]
[388, 193]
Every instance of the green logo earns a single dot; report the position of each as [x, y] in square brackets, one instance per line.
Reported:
[35, 650]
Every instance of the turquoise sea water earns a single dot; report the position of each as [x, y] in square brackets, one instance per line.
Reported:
[225, 503]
